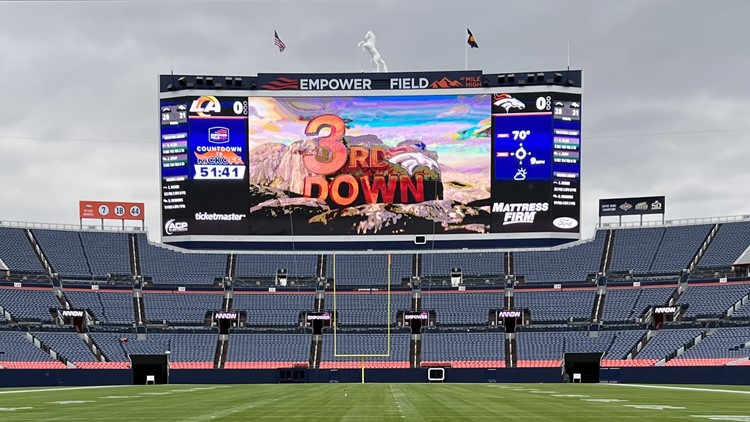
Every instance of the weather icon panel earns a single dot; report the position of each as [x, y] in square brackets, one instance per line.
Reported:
[522, 147]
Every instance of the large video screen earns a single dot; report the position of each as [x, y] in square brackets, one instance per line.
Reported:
[381, 171]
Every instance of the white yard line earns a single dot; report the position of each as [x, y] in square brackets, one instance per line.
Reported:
[61, 389]
[664, 387]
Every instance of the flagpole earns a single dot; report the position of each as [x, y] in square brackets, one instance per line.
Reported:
[273, 52]
[466, 51]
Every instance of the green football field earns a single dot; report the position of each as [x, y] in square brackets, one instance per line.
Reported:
[375, 402]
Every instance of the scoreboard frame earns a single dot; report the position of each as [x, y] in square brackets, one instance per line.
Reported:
[190, 87]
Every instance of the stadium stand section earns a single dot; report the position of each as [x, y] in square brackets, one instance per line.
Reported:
[178, 308]
[167, 266]
[464, 350]
[365, 343]
[66, 343]
[263, 351]
[547, 348]
[678, 246]
[717, 348]
[559, 316]
[369, 270]
[731, 240]
[20, 352]
[477, 264]
[65, 253]
[368, 309]
[107, 306]
[556, 305]
[712, 300]
[628, 304]
[464, 308]
[107, 252]
[266, 265]
[667, 341]
[28, 304]
[16, 252]
[570, 264]
[635, 249]
[273, 309]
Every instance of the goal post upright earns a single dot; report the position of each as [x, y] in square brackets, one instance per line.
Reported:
[387, 320]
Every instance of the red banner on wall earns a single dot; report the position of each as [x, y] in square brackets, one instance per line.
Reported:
[111, 210]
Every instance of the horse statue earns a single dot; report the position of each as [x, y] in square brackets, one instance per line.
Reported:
[368, 46]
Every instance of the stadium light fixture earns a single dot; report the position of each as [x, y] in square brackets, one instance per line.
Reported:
[511, 78]
[238, 81]
[501, 79]
[182, 81]
[209, 81]
[486, 83]
[530, 78]
[228, 81]
[199, 80]
[540, 77]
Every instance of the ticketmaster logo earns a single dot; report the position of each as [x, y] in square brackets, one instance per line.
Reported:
[205, 216]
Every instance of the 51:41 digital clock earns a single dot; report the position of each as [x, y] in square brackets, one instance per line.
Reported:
[214, 172]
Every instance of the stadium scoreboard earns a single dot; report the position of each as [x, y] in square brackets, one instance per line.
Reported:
[381, 161]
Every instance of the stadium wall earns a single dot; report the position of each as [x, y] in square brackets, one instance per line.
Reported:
[728, 375]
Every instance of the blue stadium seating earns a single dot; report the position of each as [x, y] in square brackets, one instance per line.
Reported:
[167, 266]
[462, 308]
[182, 347]
[64, 252]
[180, 308]
[572, 263]
[711, 300]
[552, 345]
[107, 306]
[635, 249]
[365, 343]
[556, 305]
[107, 252]
[273, 309]
[19, 348]
[472, 264]
[266, 265]
[269, 347]
[67, 344]
[678, 247]
[367, 308]
[369, 270]
[27, 304]
[731, 240]
[724, 343]
[16, 252]
[667, 341]
[628, 304]
[448, 347]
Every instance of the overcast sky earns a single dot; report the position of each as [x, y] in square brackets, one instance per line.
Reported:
[666, 85]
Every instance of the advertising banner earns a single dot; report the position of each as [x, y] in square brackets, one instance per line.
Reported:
[111, 210]
[631, 206]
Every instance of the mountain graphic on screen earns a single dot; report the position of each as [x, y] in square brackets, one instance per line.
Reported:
[446, 83]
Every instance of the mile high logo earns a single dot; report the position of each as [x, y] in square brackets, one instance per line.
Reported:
[519, 213]
[374, 174]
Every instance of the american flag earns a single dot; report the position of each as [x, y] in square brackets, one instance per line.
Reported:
[277, 41]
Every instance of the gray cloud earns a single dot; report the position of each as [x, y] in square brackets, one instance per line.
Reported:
[88, 70]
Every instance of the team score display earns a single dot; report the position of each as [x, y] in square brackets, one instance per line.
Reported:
[219, 172]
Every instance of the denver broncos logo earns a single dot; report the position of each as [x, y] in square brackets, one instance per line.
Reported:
[507, 102]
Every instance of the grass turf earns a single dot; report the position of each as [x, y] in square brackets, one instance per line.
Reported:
[376, 402]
